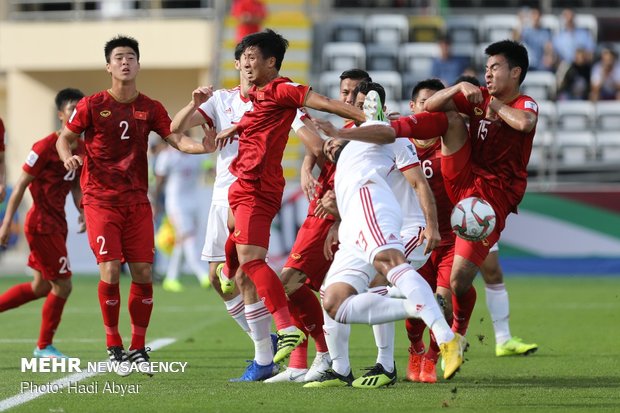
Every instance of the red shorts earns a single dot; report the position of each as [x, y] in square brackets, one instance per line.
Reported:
[438, 268]
[48, 255]
[254, 211]
[461, 182]
[118, 232]
[307, 253]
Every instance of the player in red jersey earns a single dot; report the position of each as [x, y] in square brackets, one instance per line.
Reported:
[256, 196]
[490, 163]
[119, 221]
[2, 163]
[46, 227]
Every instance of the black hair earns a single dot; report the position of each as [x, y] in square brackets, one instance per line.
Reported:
[356, 74]
[469, 79]
[431, 84]
[67, 95]
[514, 52]
[270, 44]
[365, 87]
[239, 50]
[121, 41]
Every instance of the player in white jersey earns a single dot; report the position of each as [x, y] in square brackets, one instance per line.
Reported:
[220, 110]
[370, 241]
[180, 174]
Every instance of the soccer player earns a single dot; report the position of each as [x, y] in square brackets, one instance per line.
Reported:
[255, 197]
[490, 163]
[178, 174]
[2, 163]
[46, 227]
[119, 220]
[370, 239]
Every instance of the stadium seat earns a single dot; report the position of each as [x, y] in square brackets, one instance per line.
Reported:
[409, 81]
[382, 56]
[540, 85]
[425, 28]
[387, 28]
[575, 115]
[391, 82]
[608, 115]
[465, 50]
[550, 22]
[418, 58]
[404, 107]
[392, 105]
[542, 148]
[608, 146]
[589, 22]
[547, 116]
[496, 27]
[330, 84]
[575, 148]
[348, 29]
[480, 57]
[463, 29]
[343, 55]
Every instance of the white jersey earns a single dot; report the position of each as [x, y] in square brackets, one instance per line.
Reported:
[406, 157]
[225, 108]
[182, 172]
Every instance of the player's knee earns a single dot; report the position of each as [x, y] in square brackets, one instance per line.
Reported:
[492, 276]
[459, 287]
[62, 289]
[41, 287]
[387, 259]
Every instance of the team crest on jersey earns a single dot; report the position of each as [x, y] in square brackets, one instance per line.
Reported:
[478, 111]
[105, 113]
[140, 115]
[295, 256]
[32, 158]
[260, 95]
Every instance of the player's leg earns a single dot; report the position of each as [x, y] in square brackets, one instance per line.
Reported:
[383, 333]
[456, 136]
[190, 249]
[498, 305]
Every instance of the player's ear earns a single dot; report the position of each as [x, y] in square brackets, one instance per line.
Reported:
[271, 62]
[107, 68]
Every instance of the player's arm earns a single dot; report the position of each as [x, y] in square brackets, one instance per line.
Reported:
[442, 101]
[379, 133]
[76, 194]
[518, 119]
[309, 183]
[63, 146]
[418, 181]
[325, 104]
[310, 137]
[331, 240]
[16, 198]
[327, 205]
[188, 117]
[2, 176]
[187, 144]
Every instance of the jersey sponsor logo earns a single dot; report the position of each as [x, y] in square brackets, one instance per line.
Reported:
[140, 115]
[237, 233]
[32, 158]
[148, 301]
[295, 256]
[478, 111]
[111, 302]
[105, 113]
[531, 105]
[419, 307]
[414, 119]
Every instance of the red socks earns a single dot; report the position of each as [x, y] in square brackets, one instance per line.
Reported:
[110, 303]
[463, 306]
[51, 314]
[415, 331]
[310, 314]
[423, 125]
[232, 260]
[270, 290]
[17, 295]
[140, 308]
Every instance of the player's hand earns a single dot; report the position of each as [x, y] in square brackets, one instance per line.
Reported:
[472, 93]
[2, 192]
[331, 241]
[326, 205]
[395, 115]
[432, 237]
[226, 136]
[208, 141]
[5, 231]
[309, 184]
[81, 223]
[326, 127]
[201, 95]
[73, 162]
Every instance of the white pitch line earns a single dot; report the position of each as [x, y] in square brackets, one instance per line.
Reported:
[64, 382]
[56, 340]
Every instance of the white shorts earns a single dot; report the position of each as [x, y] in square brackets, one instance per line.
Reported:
[414, 254]
[494, 248]
[216, 235]
[184, 220]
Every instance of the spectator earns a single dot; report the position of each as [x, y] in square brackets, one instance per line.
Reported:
[448, 67]
[570, 38]
[249, 14]
[605, 79]
[537, 39]
[574, 78]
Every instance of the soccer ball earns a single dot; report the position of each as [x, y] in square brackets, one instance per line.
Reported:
[472, 219]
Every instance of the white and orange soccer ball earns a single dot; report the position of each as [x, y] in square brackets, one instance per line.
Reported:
[472, 219]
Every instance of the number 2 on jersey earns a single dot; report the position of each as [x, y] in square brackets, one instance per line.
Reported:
[102, 250]
[124, 124]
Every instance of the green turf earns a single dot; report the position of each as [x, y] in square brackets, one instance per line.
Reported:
[574, 320]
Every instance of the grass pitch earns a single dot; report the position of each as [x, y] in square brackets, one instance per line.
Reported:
[574, 320]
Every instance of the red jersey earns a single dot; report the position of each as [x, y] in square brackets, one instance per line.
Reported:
[252, 7]
[1, 136]
[50, 187]
[430, 160]
[116, 136]
[499, 153]
[264, 132]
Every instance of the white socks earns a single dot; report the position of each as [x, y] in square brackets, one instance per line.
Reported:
[337, 338]
[236, 309]
[259, 321]
[384, 336]
[497, 302]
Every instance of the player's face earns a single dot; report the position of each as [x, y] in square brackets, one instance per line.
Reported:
[499, 77]
[331, 148]
[346, 90]
[123, 64]
[255, 67]
[417, 105]
[66, 112]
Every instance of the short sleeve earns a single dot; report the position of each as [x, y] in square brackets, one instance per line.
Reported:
[208, 110]
[406, 156]
[462, 104]
[290, 94]
[37, 158]
[298, 123]
[527, 104]
[80, 119]
[161, 120]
